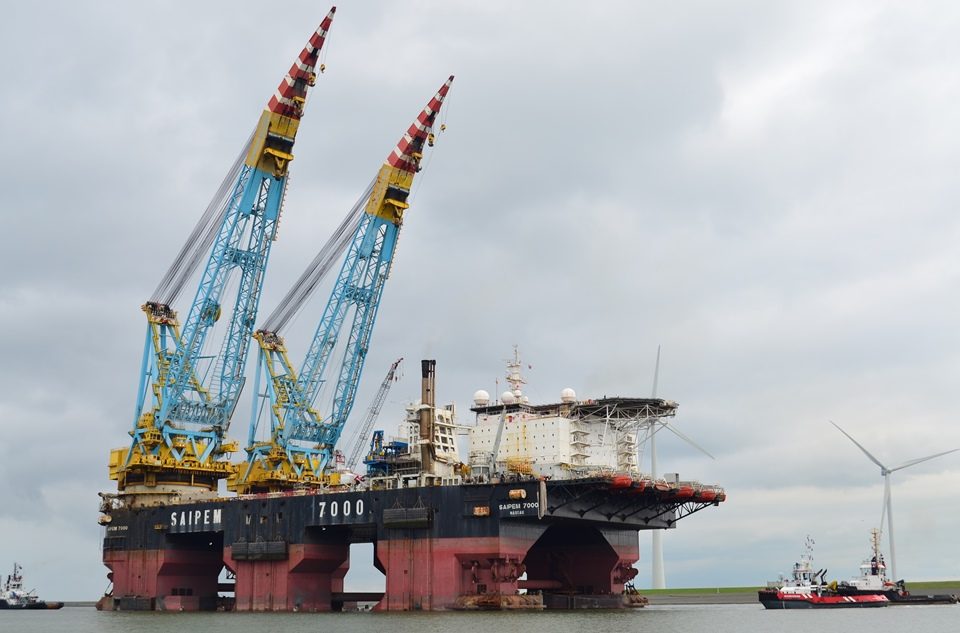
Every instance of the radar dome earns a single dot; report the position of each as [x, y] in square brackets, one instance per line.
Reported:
[481, 398]
[507, 397]
[568, 396]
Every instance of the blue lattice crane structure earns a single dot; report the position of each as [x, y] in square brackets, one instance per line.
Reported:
[186, 397]
[300, 451]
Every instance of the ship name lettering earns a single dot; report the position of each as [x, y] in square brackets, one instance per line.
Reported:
[196, 518]
[517, 509]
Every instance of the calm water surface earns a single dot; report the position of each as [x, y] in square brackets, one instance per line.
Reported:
[658, 619]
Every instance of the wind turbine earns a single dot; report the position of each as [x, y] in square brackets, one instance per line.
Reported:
[887, 506]
[658, 579]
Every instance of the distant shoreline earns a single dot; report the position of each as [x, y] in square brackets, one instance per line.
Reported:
[668, 598]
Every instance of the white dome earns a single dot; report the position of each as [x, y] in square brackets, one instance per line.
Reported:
[568, 395]
[481, 398]
[524, 399]
[507, 397]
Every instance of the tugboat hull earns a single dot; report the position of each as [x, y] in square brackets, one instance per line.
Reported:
[905, 597]
[777, 600]
[33, 605]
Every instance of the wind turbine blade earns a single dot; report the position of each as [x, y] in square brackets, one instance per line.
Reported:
[865, 451]
[686, 439]
[656, 373]
[914, 462]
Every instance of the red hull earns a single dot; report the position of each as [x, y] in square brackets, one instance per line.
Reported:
[779, 600]
[420, 573]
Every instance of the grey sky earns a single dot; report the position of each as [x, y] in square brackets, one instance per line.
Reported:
[766, 189]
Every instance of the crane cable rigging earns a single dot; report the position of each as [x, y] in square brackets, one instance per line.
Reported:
[198, 243]
[325, 259]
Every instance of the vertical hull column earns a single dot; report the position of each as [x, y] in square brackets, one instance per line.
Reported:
[579, 566]
[431, 574]
[176, 578]
[277, 577]
[134, 576]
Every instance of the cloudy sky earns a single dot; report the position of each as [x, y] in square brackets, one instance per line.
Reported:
[767, 190]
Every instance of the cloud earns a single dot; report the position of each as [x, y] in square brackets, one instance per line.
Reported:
[768, 191]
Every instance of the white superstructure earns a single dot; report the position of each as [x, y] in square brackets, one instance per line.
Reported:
[510, 436]
[561, 440]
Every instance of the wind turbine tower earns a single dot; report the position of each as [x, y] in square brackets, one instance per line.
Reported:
[887, 506]
[658, 579]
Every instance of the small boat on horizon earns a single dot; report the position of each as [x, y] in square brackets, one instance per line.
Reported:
[14, 596]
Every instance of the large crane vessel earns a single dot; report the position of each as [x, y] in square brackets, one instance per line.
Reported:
[544, 513]
[495, 533]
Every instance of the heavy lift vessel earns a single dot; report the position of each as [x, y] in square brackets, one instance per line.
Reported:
[505, 539]
[492, 533]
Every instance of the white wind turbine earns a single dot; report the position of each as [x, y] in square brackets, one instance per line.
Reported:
[887, 506]
[658, 578]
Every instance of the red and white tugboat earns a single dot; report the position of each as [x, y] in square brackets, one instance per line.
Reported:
[14, 596]
[806, 589]
[873, 580]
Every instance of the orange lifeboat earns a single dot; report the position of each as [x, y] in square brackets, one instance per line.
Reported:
[621, 482]
[707, 494]
[640, 485]
[684, 490]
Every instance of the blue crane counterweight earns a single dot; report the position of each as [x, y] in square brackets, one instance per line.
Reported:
[183, 410]
[300, 451]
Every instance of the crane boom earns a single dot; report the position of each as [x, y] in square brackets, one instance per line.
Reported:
[178, 432]
[371, 417]
[301, 445]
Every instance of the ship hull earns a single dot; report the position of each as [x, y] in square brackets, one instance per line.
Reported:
[525, 544]
[33, 606]
[775, 600]
[896, 597]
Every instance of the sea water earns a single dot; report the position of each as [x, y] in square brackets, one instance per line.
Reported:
[721, 618]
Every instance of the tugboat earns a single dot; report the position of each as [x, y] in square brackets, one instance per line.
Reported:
[806, 589]
[873, 581]
[14, 596]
